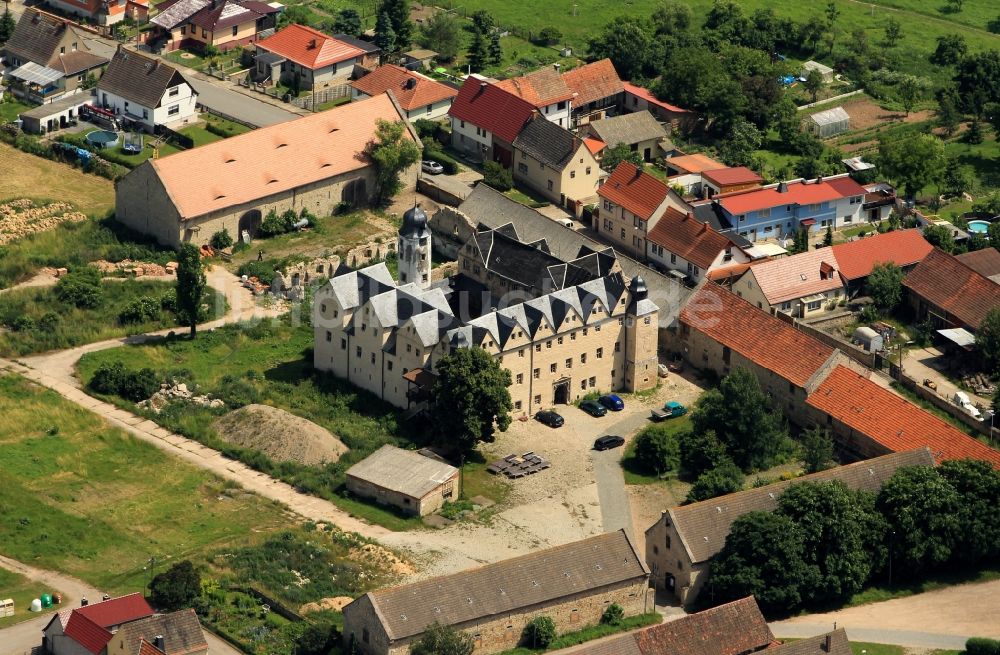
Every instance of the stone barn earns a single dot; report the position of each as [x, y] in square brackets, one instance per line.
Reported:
[410, 482]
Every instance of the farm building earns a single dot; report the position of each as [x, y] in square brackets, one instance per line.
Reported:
[404, 479]
[822, 69]
[829, 123]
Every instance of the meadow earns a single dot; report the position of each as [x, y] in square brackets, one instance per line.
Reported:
[40, 179]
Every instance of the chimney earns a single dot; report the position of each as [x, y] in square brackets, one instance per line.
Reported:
[827, 643]
[482, 85]
[312, 44]
[638, 172]
[557, 66]
[84, 602]
[783, 187]
[819, 179]
[704, 228]
[158, 641]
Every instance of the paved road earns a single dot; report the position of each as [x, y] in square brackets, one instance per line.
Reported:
[616, 511]
[235, 104]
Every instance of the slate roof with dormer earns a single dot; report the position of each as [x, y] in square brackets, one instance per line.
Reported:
[139, 79]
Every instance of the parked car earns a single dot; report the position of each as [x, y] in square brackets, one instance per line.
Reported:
[608, 441]
[549, 418]
[962, 400]
[431, 166]
[670, 410]
[612, 402]
[593, 408]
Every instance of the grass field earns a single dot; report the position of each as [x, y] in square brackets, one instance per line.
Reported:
[21, 590]
[86, 499]
[9, 111]
[28, 176]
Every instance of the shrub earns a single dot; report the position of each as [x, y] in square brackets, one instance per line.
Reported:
[657, 449]
[982, 646]
[22, 324]
[168, 302]
[140, 310]
[275, 224]
[724, 479]
[613, 615]
[49, 322]
[548, 36]
[540, 632]
[222, 239]
[81, 288]
[107, 378]
[262, 270]
[449, 165]
[177, 587]
[498, 177]
[114, 378]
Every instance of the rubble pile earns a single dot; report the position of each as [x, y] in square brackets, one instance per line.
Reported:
[21, 218]
[172, 392]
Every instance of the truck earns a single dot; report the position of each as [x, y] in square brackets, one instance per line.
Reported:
[670, 410]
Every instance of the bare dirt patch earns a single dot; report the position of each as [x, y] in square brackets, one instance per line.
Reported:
[866, 113]
[383, 557]
[336, 604]
[280, 435]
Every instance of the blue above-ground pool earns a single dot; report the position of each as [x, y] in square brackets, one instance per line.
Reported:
[979, 227]
[102, 138]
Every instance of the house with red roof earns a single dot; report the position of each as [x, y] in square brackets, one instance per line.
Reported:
[949, 292]
[597, 91]
[298, 54]
[805, 285]
[856, 259]
[729, 180]
[631, 201]
[636, 98]
[680, 242]
[485, 120]
[418, 95]
[546, 91]
[103, 12]
[89, 629]
[197, 24]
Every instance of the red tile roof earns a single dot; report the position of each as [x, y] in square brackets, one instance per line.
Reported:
[856, 259]
[731, 176]
[593, 82]
[688, 238]
[541, 87]
[799, 193]
[696, 163]
[594, 145]
[730, 629]
[635, 190]
[986, 262]
[117, 610]
[412, 90]
[308, 47]
[86, 633]
[733, 272]
[945, 281]
[146, 648]
[891, 420]
[488, 106]
[756, 335]
[646, 95]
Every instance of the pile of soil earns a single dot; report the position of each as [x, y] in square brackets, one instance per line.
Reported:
[282, 436]
[336, 604]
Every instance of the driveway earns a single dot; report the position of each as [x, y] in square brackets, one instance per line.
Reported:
[922, 363]
[235, 104]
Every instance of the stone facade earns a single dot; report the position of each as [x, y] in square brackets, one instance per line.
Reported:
[671, 568]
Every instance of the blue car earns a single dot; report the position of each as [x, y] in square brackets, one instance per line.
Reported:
[613, 402]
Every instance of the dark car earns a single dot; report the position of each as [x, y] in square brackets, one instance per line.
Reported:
[613, 402]
[550, 419]
[593, 408]
[608, 441]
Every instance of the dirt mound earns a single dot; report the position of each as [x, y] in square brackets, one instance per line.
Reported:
[383, 557]
[336, 604]
[280, 435]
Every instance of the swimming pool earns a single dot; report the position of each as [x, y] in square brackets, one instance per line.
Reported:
[102, 138]
[979, 227]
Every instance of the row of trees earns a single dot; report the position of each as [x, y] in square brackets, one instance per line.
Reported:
[826, 542]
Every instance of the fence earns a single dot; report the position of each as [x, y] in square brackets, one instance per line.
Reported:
[833, 99]
[213, 112]
[322, 96]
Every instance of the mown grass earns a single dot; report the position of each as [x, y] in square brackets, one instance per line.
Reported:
[878, 593]
[22, 591]
[865, 648]
[91, 501]
[9, 111]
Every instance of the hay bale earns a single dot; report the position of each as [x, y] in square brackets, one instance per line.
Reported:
[282, 436]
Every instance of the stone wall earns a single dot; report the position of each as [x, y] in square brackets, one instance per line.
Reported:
[671, 567]
[451, 230]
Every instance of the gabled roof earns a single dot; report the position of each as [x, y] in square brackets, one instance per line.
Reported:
[171, 13]
[273, 159]
[592, 82]
[635, 190]
[730, 176]
[688, 238]
[646, 95]
[181, 632]
[756, 335]
[628, 128]
[488, 106]
[309, 47]
[594, 145]
[797, 276]
[229, 13]
[838, 645]
[86, 633]
[138, 78]
[540, 88]
[704, 526]
[696, 163]
[891, 420]
[945, 281]
[856, 259]
[89, 625]
[507, 586]
[547, 142]
[986, 262]
[36, 39]
[830, 116]
[800, 192]
[403, 471]
[412, 90]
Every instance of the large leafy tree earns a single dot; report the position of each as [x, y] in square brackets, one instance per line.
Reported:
[470, 396]
[176, 588]
[625, 42]
[951, 48]
[978, 486]
[618, 153]
[348, 21]
[765, 557]
[978, 80]
[940, 236]
[913, 162]
[190, 287]
[657, 449]
[443, 640]
[885, 286]
[443, 34]
[391, 152]
[701, 451]
[742, 416]
[739, 146]
[988, 340]
[726, 478]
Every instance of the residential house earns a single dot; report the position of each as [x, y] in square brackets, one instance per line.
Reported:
[695, 164]
[880, 201]
[406, 480]
[805, 285]
[222, 24]
[144, 91]
[90, 628]
[314, 163]
[301, 56]
[631, 201]
[638, 130]
[868, 420]
[682, 244]
[176, 633]
[986, 262]
[485, 120]
[572, 584]
[680, 546]
[418, 95]
[781, 210]
[856, 259]
[728, 180]
[556, 164]
[47, 58]
[598, 90]
[546, 91]
[639, 99]
[949, 292]
[829, 122]
[103, 12]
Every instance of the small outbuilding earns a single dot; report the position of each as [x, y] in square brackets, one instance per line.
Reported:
[829, 123]
[822, 69]
[404, 479]
[868, 339]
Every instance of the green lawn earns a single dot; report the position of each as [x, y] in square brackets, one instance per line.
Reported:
[864, 648]
[22, 591]
[9, 111]
[89, 500]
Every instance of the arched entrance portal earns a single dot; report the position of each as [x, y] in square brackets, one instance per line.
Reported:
[561, 392]
[249, 224]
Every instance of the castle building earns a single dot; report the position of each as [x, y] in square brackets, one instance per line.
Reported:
[414, 249]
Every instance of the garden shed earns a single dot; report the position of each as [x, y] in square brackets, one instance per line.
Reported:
[829, 123]
[822, 69]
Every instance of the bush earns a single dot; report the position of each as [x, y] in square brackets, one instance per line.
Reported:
[548, 36]
[115, 379]
[498, 177]
[540, 632]
[982, 646]
[613, 615]
[724, 479]
[657, 449]
[168, 302]
[49, 322]
[22, 324]
[176, 588]
[222, 239]
[449, 165]
[107, 379]
[275, 224]
[262, 270]
[80, 288]
[140, 310]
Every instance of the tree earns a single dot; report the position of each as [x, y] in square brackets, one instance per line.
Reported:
[893, 32]
[832, 14]
[813, 83]
[908, 91]
[975, 133]
[724, 479]
[948, 114]
[657, 449]
[483, 21]
[348, 21]
[477, 55]
[540, 632]
[817, 449]
[494, 51]
[498, 177]
[315, 639]
[7, 23]
[988, 340]
[671, 18]
[190, 287]
[993, 232]
[399, 17]
[978, 487]
[838, 526]
[764, 557]
[738, 148]
[625, 42]
[921, 509]
[955, 6]
[885, 286]
[958, 179]
[443, 34]
[221, 239]
[176, 588]
[391, 153]
[548, 36]
[993, 115]
[81, 288]
[912, 162]
[811, 31]
[443, 640]
[470, 395]
[950, 50]
[977, 77]
[828, 237]
[700, 452]
[941, 237]
[742, 416]
[618, 153]
[385, 36]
